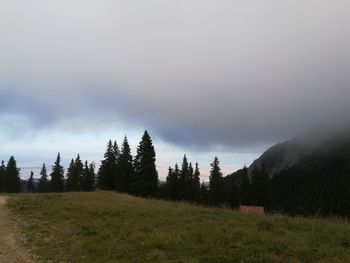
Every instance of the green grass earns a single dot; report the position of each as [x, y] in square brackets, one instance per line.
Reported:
[110, 227]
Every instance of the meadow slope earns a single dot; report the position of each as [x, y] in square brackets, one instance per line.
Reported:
[110, 227]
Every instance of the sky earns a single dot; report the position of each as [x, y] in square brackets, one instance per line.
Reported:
[204, 77]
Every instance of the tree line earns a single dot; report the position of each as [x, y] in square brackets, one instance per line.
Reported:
[230, 191]
[9, 177]
[318, 184]
[119, 171]
[137, 175]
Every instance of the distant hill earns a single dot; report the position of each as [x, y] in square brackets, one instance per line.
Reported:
[309, 175]
[283, 155]
[286, 154]
[318, 183]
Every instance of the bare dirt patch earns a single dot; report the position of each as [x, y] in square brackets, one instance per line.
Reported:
[10, 249]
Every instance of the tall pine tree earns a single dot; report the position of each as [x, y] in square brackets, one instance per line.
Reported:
[184, 179]
[107, 174]
[195, 185]
[57, 176]
[215, 183]
[146, 176]
[88, 177]
[12, 182]
[43, 183]
[30, 183]
[70, 177]
[125, 168]
[171, 184]
[78, 170]
[92, 177]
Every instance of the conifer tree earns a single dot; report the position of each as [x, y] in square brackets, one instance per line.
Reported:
[116, 175]
[88, 177]
[84, 176]
[116, 150]
[172, 183]
[146, 175]
[190, 171]
[57, 176]
[30, 183]
[184, 179]
[70, 177]
[189, 184]
[125, 168]
[168, 183]
[12, 182]
[177, 173]
[91, 180]
[2, 176]
[78, 170]
[215, 183]
[195, 191]
[108, 169]
[43, 183]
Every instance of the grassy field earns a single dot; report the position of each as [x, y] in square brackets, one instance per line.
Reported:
[109, 227]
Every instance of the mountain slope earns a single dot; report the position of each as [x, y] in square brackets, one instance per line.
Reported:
[282, 156]
[318, 183]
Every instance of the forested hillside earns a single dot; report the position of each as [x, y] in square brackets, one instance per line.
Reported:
[318, 183]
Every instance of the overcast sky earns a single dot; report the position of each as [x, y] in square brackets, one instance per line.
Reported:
[205, 77]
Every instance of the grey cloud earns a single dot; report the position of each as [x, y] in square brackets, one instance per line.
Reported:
[228, 73]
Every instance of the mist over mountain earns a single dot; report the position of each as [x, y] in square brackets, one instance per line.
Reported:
[309, 175]
[284, 155]
[317, 183]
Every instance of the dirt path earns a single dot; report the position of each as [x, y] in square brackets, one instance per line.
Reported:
[10, 249]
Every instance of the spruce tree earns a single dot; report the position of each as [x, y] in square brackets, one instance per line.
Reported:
[145, 175]
[2, 176]
[91, 180]
[43, 183]
[171, 184]
[215, 183]
[70, 177]
[189, 184]
[125, 168]
[12, 182]
[116, 175]
[176, 178]
[184, 179]
[88, 177]
[78, 170]
[84, 177]
[195, 191]
[57, 176]
[108, 169]
[30, 183]
[116, 150]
